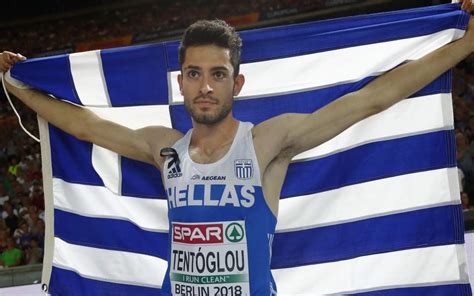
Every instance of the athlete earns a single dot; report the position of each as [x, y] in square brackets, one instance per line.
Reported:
[223, 178]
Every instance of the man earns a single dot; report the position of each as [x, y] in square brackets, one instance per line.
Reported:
[12, 256]
[223, 178]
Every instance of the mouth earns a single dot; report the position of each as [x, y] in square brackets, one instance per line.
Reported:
[205, 102]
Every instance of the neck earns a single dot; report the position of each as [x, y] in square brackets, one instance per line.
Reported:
[214, 135]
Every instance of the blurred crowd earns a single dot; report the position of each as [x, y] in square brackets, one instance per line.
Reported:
[21, 193]
[463, 104]
[141, 22]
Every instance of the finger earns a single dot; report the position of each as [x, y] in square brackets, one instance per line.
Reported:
[15, 58]
[12, 58]
[10, 55]
[5, 57]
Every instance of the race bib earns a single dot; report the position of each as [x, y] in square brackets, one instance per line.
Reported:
[209, 259]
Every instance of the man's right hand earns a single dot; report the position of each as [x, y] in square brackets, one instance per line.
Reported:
[8, 59]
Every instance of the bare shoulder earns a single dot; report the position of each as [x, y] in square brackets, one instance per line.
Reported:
[159, 137]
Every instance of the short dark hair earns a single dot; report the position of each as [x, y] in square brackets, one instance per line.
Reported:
[215, 32]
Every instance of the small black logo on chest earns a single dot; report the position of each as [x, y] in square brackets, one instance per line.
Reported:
[174, 170]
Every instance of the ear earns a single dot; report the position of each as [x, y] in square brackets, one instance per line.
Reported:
[238, 84]
[180, 82]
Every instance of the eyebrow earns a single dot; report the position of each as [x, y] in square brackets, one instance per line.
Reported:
[192, 67]
[219, 68]
[222, 68]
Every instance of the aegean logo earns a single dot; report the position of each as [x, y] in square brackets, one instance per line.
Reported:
[213, 178]
[208, 178]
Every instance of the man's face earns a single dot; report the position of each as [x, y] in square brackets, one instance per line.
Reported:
[207, 83]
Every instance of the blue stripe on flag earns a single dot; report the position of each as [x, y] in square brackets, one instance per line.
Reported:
[370, 162]
[140, 179]
[278, 42]
[420, 228]
[65, 151]
[327, 26]
[271, 43]
[57, 80]
[66, 282]
[110, 234]
[360, 164]
[258, 110]
[426, 227]
[149, 80]
[443, 290]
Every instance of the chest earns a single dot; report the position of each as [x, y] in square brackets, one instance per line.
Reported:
[208, 156]
[230, 182]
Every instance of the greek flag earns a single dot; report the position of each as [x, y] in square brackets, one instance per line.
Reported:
[374, 211]
[243, 169]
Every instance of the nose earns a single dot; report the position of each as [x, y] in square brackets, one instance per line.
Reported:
[206, 87]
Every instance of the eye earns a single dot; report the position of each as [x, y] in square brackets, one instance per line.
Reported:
[193, 74]
[219, 75]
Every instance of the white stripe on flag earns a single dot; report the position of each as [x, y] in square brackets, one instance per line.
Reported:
[402, 119]
[107, 165]
[109, 265]
[137, 116]
[445, 265]
[97, 201]
[86, 71]
[370, 199]
[328, 68]
[400, 194]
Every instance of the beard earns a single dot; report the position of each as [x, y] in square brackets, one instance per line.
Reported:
[209, 118]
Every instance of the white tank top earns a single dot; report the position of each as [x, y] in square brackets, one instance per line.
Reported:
[221, 227]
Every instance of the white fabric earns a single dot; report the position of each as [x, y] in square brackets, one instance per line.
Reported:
[341, 65]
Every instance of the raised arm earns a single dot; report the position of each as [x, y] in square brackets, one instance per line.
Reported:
[141, 144]
[294, 133]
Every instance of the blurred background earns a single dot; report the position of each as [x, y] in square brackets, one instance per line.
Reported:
[51, 27]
